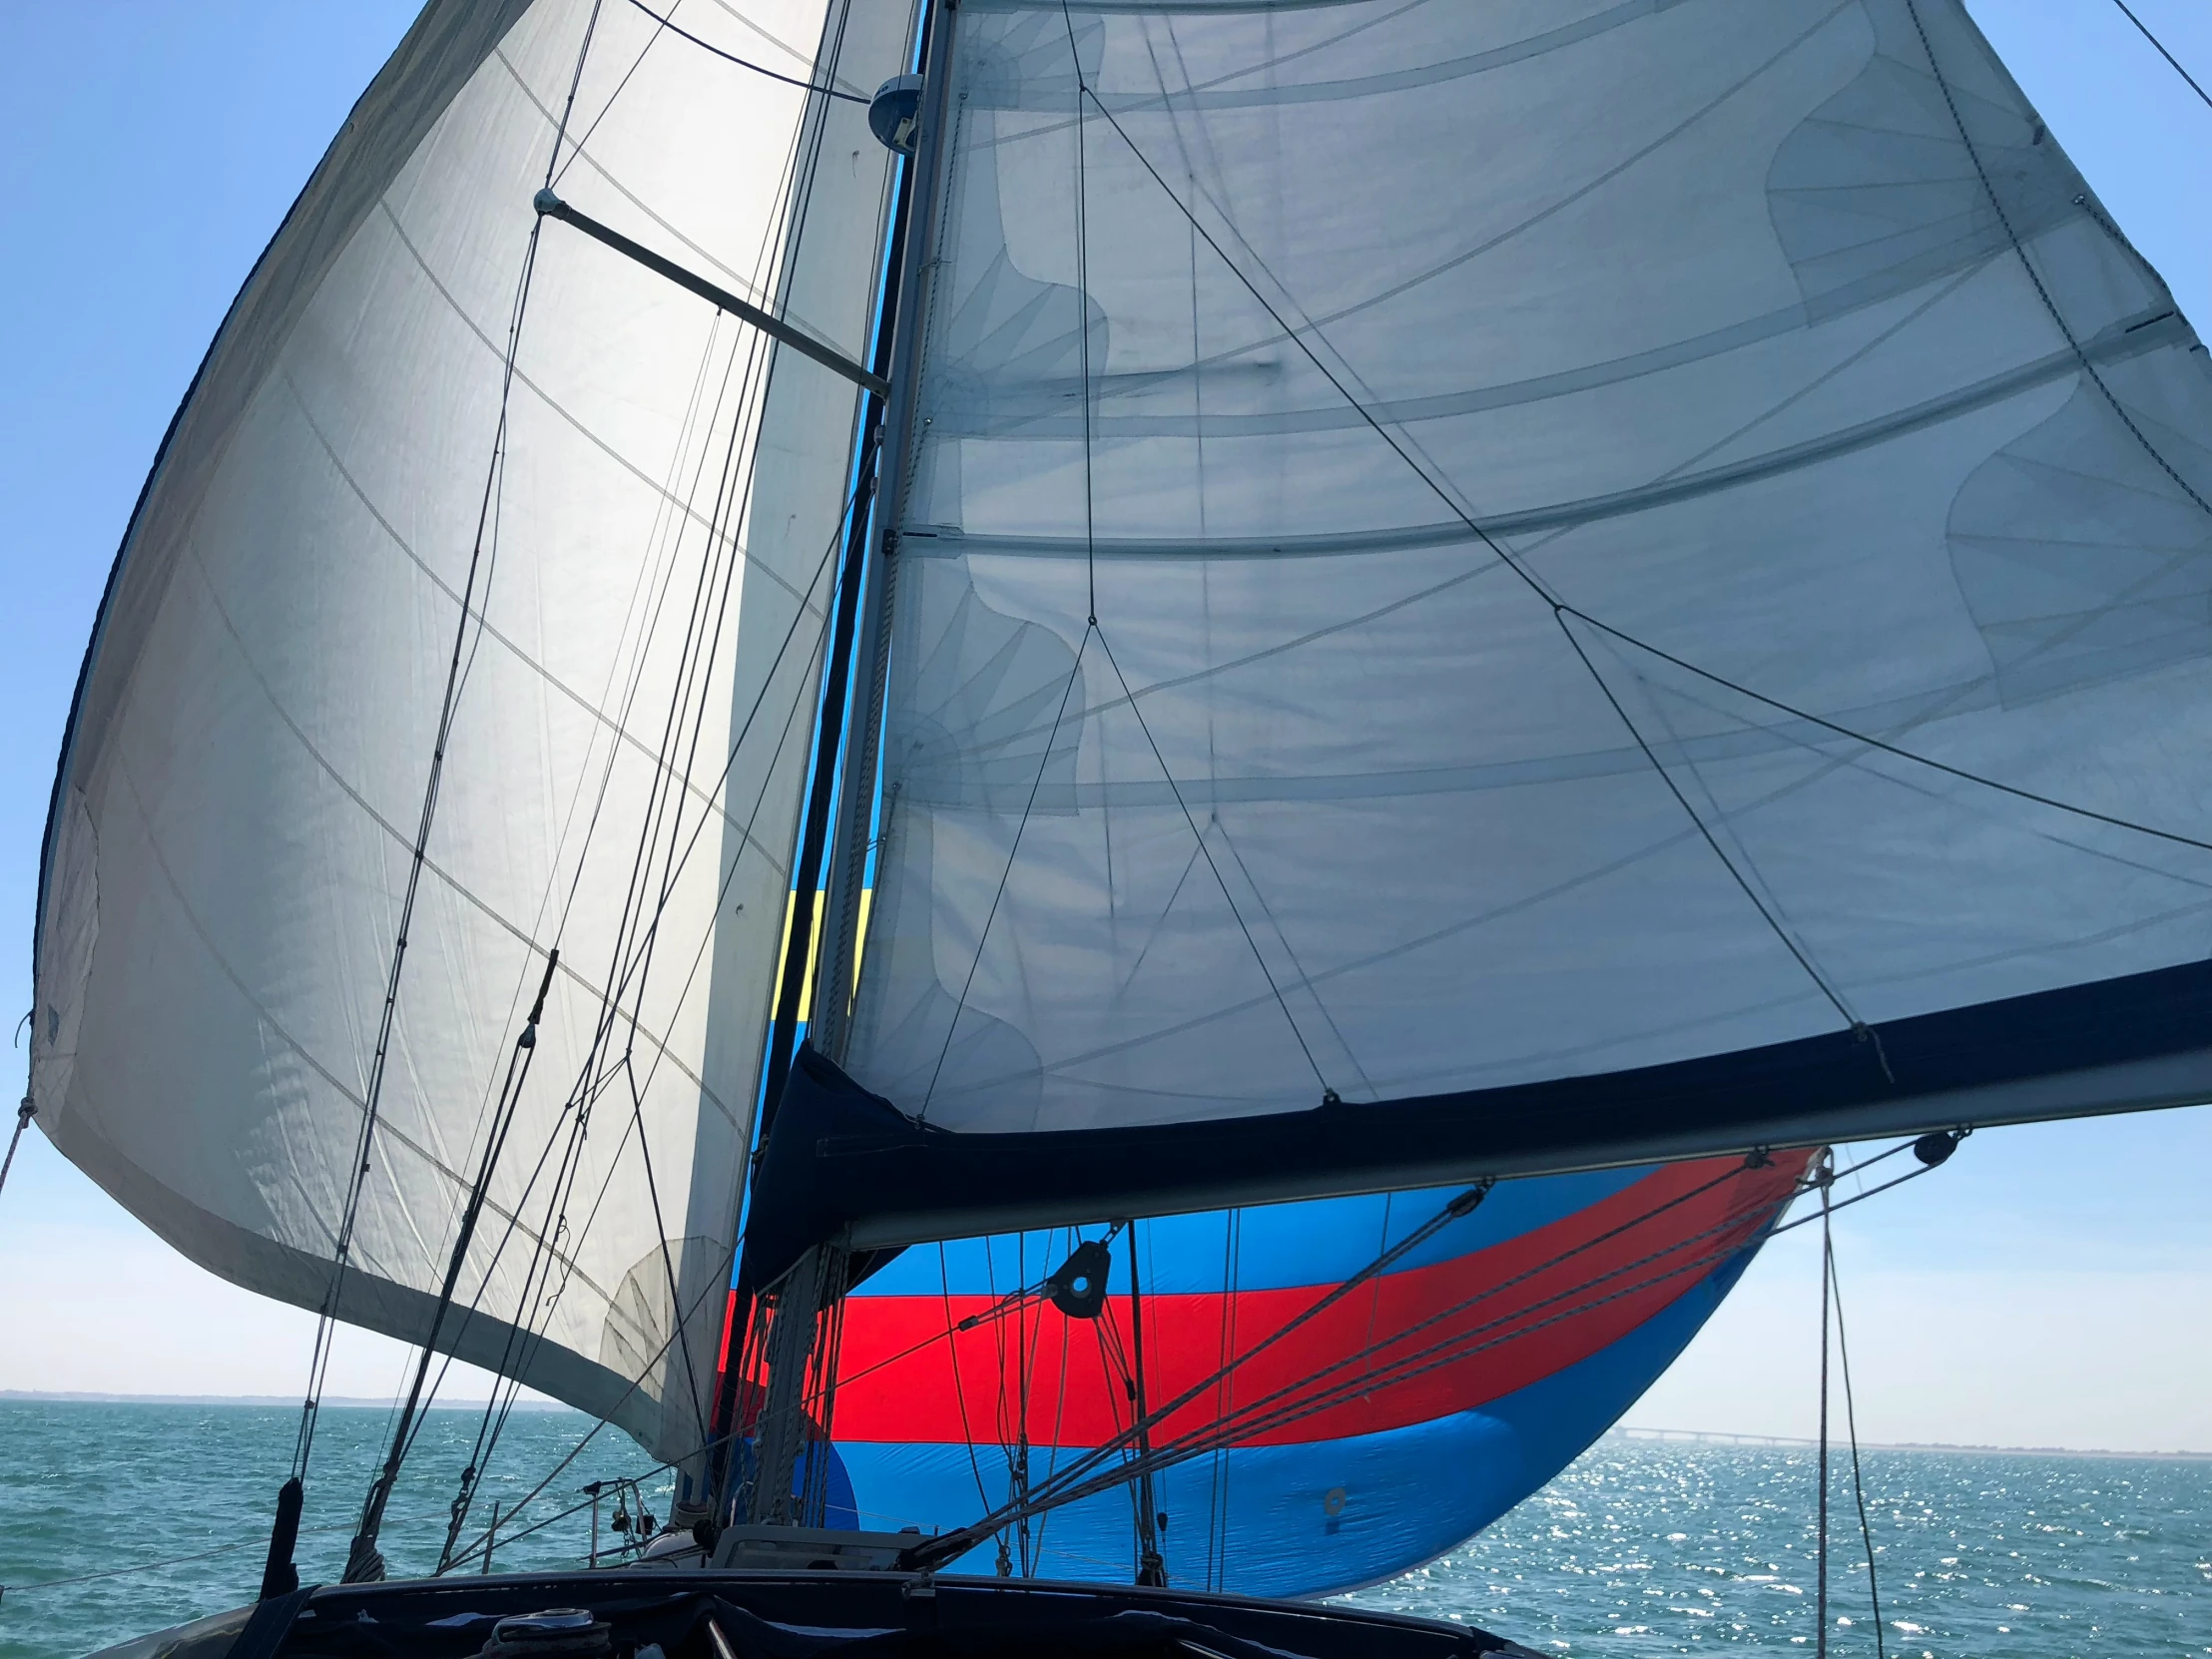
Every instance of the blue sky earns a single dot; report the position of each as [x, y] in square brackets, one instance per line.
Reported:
[2051, 1286]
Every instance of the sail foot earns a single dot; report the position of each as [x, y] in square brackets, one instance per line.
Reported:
[844, 1163]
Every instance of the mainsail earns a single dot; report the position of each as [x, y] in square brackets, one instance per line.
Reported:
[420, 396]
[1518, 587]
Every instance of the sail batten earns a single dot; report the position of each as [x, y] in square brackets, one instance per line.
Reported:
[1823, 566]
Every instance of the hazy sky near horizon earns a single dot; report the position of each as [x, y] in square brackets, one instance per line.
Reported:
[2051, 1286]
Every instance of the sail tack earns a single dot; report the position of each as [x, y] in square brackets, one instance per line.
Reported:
[641, 516]
[1491, 553]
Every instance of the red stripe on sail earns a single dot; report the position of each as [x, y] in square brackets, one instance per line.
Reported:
[1465, 1331]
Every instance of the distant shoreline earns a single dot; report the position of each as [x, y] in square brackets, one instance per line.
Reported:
[47, 1397]
[1636, 1435]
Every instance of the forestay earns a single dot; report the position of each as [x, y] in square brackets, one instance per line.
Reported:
[1618, 534]
[245, 768]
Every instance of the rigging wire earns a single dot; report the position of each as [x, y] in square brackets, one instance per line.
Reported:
[2143, 29]
[2035, 279]
[1011, 1302]
[983, 933]
[1828, 1268]
[1457, 1208]
[476, 1544]
[518, 1072]
[647, 587]
[1563, 609]
[1451, 1351]
[1559, 609]
[1712, 840]
[24, 1113]
[1090, 544]
[635, 946]
[627, 982]
[1282, 1407]
[1462, 1205]
[1870, 1192]
[959, 1390]
[500, 1407]
[1217, 1513]
[702, 634]
[1858, 1479]
[1083, 319]
[1328, 1094]
[747, 63]
[364, 1559]
[1151, 1569]
[577, 1111]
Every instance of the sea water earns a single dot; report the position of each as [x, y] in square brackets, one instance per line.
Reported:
[1641, 1549]
[88, 1488]
[1637, 1549]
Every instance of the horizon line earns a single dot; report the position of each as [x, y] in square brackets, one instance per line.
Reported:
[88, 1396]
[1631, 1433]
[1642, 1434]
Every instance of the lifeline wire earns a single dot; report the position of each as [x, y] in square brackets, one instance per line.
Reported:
[155, 1566]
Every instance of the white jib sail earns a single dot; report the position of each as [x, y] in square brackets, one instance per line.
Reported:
[1777, 342]
[241, 787]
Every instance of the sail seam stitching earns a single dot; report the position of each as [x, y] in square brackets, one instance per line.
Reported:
[1558, 610]
[1513, 565]
[1090, 538]
[2004, 219]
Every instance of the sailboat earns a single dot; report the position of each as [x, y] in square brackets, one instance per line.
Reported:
[794, 652]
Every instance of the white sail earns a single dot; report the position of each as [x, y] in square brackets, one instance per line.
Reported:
[1619, 532]
[244, 774]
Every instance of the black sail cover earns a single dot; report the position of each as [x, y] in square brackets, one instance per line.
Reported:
[1581, 580]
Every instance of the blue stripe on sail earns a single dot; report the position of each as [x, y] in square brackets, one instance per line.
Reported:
[1406, 1494]
[1323, 1241]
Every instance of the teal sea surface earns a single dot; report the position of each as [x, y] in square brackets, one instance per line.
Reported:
[1637, 1549]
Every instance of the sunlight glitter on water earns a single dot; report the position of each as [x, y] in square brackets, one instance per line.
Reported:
[1639, 1550]
[1635, 1551]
